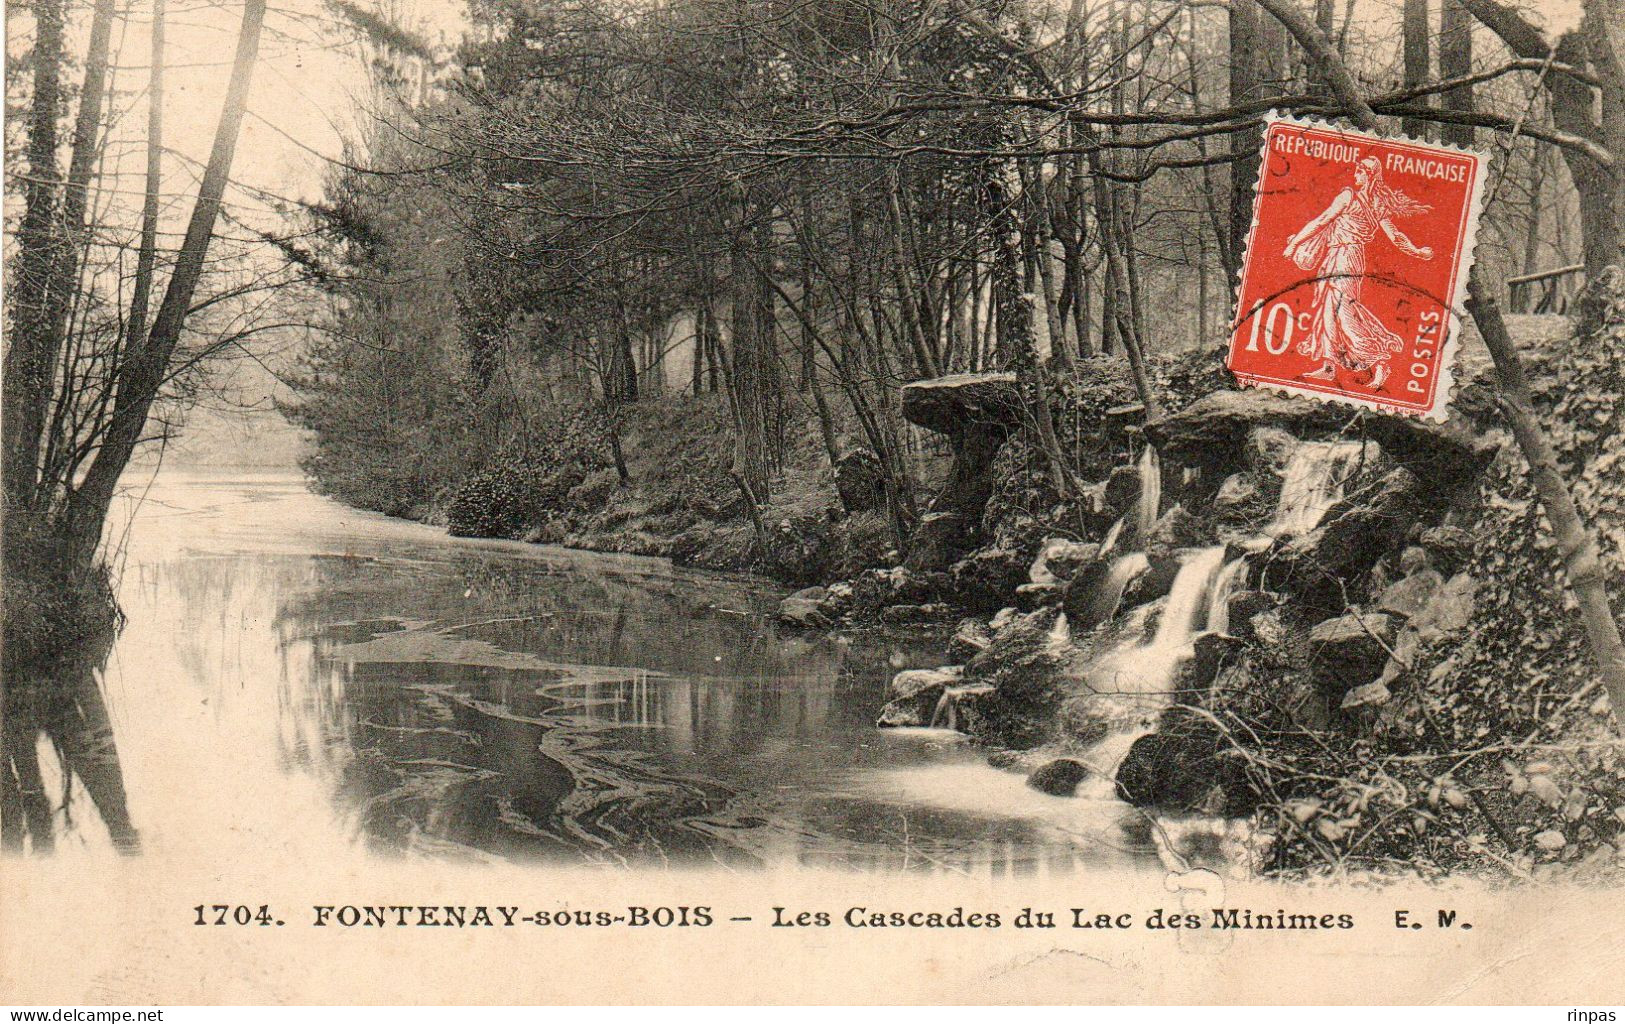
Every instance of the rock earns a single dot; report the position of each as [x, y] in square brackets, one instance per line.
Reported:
[1354, 535]
[805, 608]
[1121, 416]
[1006, 760]
[1210, 652]
[907, 614]
[1211, 431]
[1268, 628]
[1059, 560]
[875, 589]
[1151, 584]
[1405, 647]
[860, 481]
[1059, 777]
[1448, 547]
[1449, 610]
[940, 539]
[1412, 559]
[800, 549]
[915, 683]
[1027, 665]
[1176, 529]
[1238, 491]
[1241, 507]
[1094, 594]
[1350, 650]
[1352, 630]
[1410, 595]
[969, 640]
[1306, 706]
[977, 412]
[1244, 604]
[901, 715]
[837, 599]
[914, 695]
[1363, 696]
[954, 404]
[1032, 596]
[1184, 766]
[1447, 455]
[1122, 491]
[1269, 449]
[986, 580]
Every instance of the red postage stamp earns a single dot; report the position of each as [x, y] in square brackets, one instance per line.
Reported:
[1356, 261]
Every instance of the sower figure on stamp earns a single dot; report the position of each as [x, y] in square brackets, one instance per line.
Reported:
[1343, 332]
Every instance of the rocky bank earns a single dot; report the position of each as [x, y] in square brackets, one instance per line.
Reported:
[1263, 608]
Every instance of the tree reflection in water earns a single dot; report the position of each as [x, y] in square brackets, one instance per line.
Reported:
[52, 702]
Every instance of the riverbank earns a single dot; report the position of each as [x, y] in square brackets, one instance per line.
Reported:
[678, 500]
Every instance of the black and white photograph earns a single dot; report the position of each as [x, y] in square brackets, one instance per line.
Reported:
[850, 501]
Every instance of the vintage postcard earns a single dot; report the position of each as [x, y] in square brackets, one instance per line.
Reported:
[661, 502]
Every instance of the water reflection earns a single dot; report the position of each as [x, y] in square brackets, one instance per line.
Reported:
[299, 673]
[59, 754]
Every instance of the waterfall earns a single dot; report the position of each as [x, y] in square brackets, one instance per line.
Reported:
[1150, 506]
[1148, 667]
[1109, 591]
[1188, 598]
[1134, 680]
[1218, 605]
[1108, 543]
[946, 714]
[1312, 484]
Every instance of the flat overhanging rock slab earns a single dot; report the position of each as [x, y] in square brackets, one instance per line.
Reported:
[950, 405]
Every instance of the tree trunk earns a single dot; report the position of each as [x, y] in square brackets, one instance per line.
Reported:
[1456, 61]
[1245, 85]
[29, 363]
[696, 382]
[1574, 104]
[143, 373]
[1054, 324]
[141, 293]
[1016, 321]
[1415, 28]
[748, 377]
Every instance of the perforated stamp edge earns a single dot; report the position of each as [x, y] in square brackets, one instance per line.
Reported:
[1445, 389]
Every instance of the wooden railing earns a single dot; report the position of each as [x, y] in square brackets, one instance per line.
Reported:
[1556, 288]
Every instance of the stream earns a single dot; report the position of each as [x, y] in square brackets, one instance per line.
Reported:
[296, 672]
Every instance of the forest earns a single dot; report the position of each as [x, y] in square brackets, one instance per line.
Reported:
[920, 306]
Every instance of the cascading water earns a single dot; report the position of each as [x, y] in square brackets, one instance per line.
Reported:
[1108, 543]
[1148, 667]
[1150, 504]
[1312, 484]
[1186, 612]
[946, 714]
[1218, 605]
[1109, 592]
[1140, 672]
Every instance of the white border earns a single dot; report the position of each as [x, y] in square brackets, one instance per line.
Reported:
[1445, 380]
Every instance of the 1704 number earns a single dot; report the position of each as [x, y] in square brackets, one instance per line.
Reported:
[226, 913]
